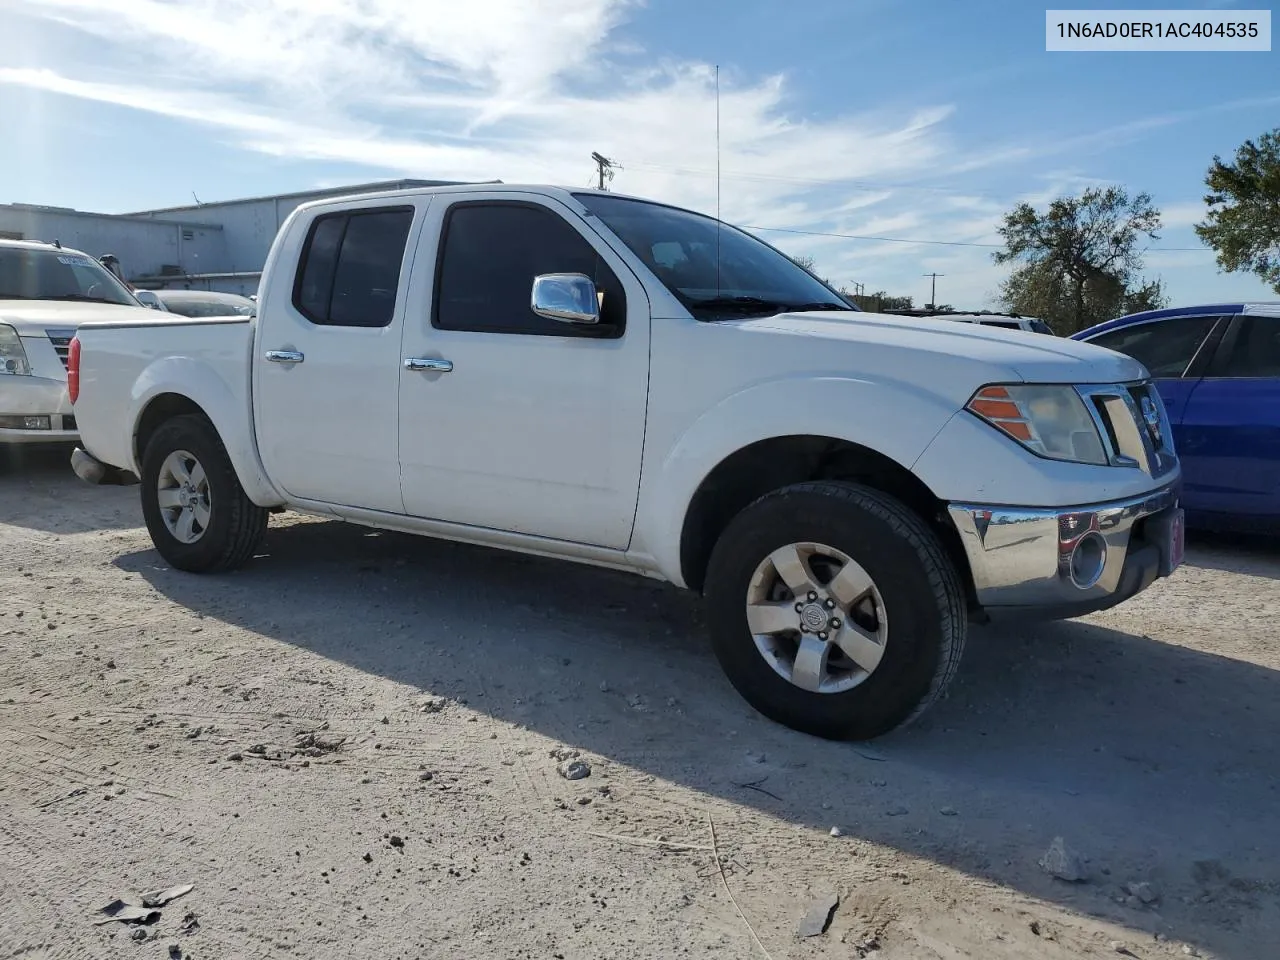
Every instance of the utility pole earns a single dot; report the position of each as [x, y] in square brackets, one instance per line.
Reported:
[933, 289]
[604, 168]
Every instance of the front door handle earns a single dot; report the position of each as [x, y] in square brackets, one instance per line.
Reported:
[429, 364]
[284, 356]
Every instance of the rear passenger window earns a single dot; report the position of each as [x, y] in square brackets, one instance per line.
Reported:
[490, 254]
[1165, 347]
[350, 267]
[1254, 351]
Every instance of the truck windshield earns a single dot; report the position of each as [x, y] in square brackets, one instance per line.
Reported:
[54, 274]
[682, 249]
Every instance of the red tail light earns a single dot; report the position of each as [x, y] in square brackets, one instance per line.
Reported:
[73, 370]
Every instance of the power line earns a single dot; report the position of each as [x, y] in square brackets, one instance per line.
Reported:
[942, 243]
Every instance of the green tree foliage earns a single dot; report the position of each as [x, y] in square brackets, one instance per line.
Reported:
[878, 301]
[1243, 223]
[1077, 262]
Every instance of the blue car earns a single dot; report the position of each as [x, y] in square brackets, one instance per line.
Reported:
[1217, 367]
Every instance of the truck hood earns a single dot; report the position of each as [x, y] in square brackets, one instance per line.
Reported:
[31, 318]
[1026, 356]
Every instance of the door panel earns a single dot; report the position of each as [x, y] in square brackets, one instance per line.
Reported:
[538, 428]
[1230, 430]
[326, 426]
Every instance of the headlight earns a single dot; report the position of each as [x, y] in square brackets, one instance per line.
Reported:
[1049, 420]
[13, 358]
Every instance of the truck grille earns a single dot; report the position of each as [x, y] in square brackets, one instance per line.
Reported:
[61, 340]
[1135, 426]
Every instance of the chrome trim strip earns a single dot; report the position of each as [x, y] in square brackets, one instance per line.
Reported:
[429, 364]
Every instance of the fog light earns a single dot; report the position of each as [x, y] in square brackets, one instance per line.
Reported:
[1087, 560]
[25, 423]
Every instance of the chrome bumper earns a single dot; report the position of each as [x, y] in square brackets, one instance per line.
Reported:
[1067, 561]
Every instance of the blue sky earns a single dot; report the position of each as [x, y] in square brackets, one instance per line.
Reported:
[918, 121]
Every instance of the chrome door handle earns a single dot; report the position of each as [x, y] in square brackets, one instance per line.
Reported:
[429, 364]
[284, 356]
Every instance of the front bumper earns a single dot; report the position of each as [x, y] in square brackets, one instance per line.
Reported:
[40, 398]
[1062, 562]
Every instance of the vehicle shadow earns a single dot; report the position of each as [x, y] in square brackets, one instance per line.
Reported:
[36, 484]
[1257, 555]
[1155, 761]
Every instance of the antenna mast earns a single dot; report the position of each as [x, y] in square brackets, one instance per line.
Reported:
[718, 222]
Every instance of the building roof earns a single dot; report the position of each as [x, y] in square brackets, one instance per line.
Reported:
[376, 186]
[40, 208]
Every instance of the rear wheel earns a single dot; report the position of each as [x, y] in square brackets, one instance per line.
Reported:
[835, 610]
[197, 513]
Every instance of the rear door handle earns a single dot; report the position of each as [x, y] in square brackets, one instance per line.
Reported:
[429, 364]
[284, 356]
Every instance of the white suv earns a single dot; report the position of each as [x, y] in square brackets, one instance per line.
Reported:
[46, 292]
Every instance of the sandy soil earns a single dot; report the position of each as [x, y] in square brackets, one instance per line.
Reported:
[352, 749]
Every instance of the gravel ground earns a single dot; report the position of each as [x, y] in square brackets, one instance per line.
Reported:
[355, 747]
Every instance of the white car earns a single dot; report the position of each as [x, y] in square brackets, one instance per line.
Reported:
[623, 383]
[1006, 321]
[199, 303]
[46, 292]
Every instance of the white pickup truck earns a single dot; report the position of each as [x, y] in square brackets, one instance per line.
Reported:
[46, 292]
[604, 379]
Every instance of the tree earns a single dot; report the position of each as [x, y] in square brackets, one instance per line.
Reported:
[804, 262]
[878, 301]
[1078, 260]
[1243, 223]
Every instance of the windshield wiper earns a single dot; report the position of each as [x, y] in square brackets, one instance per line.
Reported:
[817, 305]
[759, 305]
[77, 296]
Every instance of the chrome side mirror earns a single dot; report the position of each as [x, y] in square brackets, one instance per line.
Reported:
[567, 297]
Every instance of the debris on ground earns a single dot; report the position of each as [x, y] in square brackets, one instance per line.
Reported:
[1143, 891]
[1121, 949]
[120, 910]
[397, 841]
[818, 918]
[432, 705]
[837, 832]
[866, 946]
[564, 753]
[190, 924]
[897, 811]
[311, 744]
[948, 811]
[575, 770]
[139, 935]
[1062, 862]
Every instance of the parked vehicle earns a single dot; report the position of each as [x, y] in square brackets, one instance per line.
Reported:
[623, 383]
[201, 303]
[46, 292]
[988, 318]
[1217, 367]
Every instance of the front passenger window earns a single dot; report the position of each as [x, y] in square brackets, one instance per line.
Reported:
[490, 253]
[1165, 347]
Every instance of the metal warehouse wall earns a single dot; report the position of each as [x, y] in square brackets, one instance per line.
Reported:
[143, 245]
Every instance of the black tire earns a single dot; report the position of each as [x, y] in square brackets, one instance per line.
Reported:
[922, 595]
[236, 523]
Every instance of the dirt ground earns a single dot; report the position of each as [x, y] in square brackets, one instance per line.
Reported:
[352, 749]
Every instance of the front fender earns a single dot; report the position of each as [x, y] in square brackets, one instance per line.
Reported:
[896, 420]
[229, 413]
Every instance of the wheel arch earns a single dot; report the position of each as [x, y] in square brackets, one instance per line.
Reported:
[759, 468]
[181, 386]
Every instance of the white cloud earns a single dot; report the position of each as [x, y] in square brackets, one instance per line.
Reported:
[526, 90]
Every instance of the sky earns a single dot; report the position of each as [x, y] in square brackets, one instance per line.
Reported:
[920, 121]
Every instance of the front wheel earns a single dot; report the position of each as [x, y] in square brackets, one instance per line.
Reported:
[197, 513]
[834, 610]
